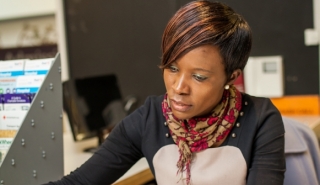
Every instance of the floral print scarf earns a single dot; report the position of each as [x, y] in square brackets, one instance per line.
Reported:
[196, 134]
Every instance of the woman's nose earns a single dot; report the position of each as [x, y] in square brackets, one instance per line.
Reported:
[180, 85]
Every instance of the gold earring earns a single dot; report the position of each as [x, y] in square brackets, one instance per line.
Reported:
[226, 87]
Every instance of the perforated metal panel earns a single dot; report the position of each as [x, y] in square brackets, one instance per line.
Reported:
[36, 154]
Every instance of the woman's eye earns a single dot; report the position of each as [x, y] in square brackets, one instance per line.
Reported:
[173, 68]
[199, 77]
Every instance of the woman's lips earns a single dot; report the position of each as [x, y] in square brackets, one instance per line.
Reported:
[179, 106]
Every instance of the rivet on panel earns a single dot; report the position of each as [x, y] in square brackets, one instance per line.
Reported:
[44, 154]
[2, 182]
[51, 86]
[12, 162]
[52, 135]
[41, 104]
[34, 173]
[60, 116]
[59, 69]
[32, 122]
[23, 142]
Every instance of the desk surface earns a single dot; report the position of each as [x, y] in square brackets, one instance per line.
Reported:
[311, 121]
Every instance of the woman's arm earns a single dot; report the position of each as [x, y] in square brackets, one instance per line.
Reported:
[115, 156]
[268, 159]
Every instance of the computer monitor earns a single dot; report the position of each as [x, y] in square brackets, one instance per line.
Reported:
[93, 105]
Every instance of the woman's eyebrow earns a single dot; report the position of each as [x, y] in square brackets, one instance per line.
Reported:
[205, 70]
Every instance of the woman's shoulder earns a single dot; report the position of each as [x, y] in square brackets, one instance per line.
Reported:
[152, 104]
[255, 99]
[259, 102]
[259, 116]
[260, 109]
[154, 99]
[151, 108]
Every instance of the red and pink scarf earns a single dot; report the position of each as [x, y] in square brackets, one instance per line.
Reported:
[199, 133]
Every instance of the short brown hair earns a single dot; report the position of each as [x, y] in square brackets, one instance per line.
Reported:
[207, 23]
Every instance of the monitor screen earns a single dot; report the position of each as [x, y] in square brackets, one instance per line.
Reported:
[85, 100]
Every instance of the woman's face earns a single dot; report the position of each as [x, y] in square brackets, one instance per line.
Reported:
[195, 82]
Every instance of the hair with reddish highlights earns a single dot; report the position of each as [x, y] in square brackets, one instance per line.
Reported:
[207, 23]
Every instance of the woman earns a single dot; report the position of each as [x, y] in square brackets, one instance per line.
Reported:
[202, 130]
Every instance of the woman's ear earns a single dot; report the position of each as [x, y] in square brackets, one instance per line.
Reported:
[235, 74]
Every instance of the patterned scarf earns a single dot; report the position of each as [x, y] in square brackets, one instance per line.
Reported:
[199, 133]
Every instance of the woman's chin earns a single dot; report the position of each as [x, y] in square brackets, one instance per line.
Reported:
[181, 115]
